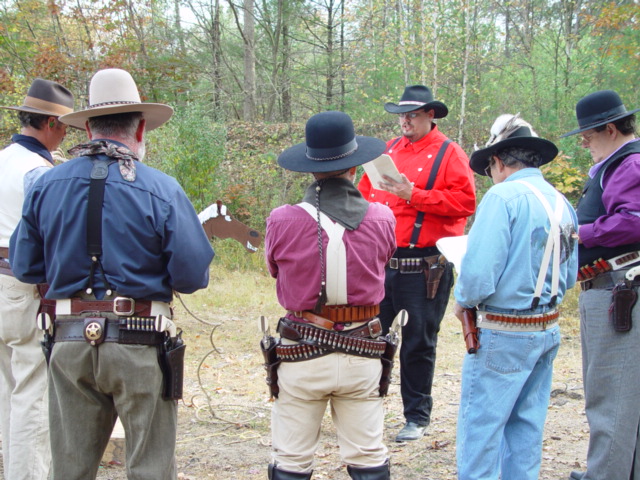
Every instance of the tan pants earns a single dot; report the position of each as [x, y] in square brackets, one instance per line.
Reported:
[350, 385]
[23, 384]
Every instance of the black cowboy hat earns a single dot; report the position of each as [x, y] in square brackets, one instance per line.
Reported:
[417, 97]
[46, 98]
[331, 144]
[599, 108]
[522, 137]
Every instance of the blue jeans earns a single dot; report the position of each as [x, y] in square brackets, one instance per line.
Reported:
[503, 406]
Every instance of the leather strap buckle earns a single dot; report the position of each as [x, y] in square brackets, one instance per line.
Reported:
[375, 328]
[394, 263]
[124, 306]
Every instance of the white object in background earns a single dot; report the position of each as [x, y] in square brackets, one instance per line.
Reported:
[453, 248]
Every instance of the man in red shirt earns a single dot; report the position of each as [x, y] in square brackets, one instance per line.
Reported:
[435, 196]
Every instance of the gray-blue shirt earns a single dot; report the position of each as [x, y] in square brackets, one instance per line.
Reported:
[152, 240]
[506, 245]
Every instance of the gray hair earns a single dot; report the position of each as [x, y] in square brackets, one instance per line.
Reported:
[117, 125]
[519, 158]
[31, 119]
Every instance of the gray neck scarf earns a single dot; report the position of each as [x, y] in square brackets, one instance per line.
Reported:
[340, 200]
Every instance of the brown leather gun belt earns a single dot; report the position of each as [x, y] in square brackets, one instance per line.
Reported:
[342, 313]
[316, 342]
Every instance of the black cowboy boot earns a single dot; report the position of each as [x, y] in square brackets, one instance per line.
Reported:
[383, 472]
[276, 474]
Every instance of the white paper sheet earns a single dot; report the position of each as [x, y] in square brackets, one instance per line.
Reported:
[383, 165]
[453, 248]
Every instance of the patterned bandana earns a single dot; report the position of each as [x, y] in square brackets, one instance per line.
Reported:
[124, 156]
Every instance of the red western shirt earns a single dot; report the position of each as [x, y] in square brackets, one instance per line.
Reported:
[447, 205]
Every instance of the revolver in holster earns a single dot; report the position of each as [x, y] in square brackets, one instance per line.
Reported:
[387, 363]
[434, 268]
[268, 346]
[171, 358]
[45, 320]
[623, 298]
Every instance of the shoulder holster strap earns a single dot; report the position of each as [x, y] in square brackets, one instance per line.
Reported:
[432, 179]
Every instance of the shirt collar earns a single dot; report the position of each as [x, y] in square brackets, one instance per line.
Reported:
[33, 145]
[593, 171]
[524, 172]
[424, 141]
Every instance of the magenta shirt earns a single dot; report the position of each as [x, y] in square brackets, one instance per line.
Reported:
[621, 198]
[293, 259]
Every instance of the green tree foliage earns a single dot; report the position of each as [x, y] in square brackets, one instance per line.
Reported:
[481, 57]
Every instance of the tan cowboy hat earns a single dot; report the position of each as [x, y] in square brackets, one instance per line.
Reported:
[46, 98]
[114, 91]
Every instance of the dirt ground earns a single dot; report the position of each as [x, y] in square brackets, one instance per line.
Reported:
[224, 418]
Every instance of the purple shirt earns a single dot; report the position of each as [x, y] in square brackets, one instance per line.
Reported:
[621, 198]
[293, 259]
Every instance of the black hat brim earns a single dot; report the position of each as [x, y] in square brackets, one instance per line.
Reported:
[440, 110]
[480, 158]
[600, 123]
[295, 158]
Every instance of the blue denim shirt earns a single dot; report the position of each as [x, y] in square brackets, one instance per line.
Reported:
[152, 240]
[506, 245]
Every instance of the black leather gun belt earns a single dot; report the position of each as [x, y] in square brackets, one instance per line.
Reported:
[96, 330]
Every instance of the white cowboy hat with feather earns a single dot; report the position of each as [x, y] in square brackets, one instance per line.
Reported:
[511, 131]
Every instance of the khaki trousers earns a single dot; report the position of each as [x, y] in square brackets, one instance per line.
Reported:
[23, 384]
[349, 384]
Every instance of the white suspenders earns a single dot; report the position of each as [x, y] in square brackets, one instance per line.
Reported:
[553, 245]
[336, 257]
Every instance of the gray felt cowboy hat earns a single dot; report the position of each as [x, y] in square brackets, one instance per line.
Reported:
[515, 132]
[46, 98]
[330, 145]
[113, 91]
[417, 97]
[599, 108]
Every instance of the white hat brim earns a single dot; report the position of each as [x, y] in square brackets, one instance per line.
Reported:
[156, 114]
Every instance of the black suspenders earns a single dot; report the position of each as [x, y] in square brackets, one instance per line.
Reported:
[99, 173]
[432, 179]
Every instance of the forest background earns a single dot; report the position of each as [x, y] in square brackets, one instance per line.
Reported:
[244, 75]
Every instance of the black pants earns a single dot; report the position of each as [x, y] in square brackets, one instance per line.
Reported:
[419, 336]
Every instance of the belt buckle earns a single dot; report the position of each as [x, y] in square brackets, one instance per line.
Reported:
[94, 330]
[124, 313]
[375, 328]
[394, 263]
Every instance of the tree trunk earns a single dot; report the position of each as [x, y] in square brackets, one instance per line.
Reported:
[249, 105]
